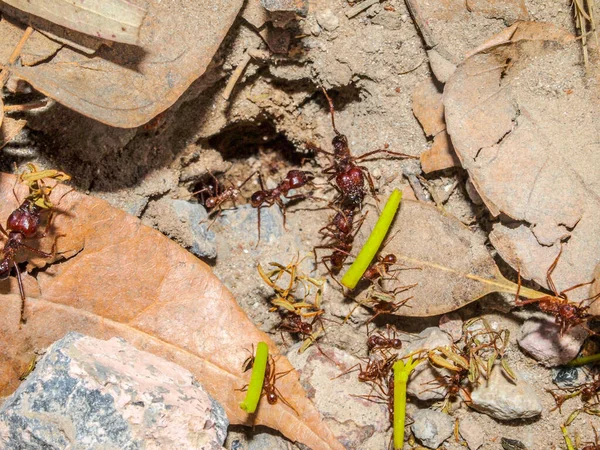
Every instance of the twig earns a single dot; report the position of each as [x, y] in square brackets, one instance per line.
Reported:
[239, 70]
[355, 10]
[14, 55]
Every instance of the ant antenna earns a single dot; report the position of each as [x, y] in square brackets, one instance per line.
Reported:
[331, 110]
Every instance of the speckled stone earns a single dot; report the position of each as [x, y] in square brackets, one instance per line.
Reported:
[86, 393]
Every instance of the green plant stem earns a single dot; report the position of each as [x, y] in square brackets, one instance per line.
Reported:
[584, 360]
[567, 438]
[369, 250]
[257, 379]
[402, 372]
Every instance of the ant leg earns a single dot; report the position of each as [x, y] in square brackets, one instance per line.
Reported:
[551, 269]
[258, 216]
[331, 110]
[3, 231]
[282, 398]
[389, 152]
[369, 180]
[22, 292]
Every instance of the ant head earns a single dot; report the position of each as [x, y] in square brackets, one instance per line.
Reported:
[396, 343]
[258, 198]
[568, 311]
[25, 219]
[340, 143]
[272, 398]
[389, 259]
[210, 202]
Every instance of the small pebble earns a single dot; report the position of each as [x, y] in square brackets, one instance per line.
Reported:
[471, 433]
[453, 325]
[502, 399]
[431, 427]
[328, 20]
[424, 383]
[569, 377]
[540, 337]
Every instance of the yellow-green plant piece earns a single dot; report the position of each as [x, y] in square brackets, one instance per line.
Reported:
[402, 372]
[584, 360]
[257, 379]
[371, 247]
[567, 438]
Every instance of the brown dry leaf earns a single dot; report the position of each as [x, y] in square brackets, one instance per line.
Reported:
[523, 122]
[428, 107]
[116, 20]
[9, 129]
[440, 156]
[125, 279]
[449, 264]
[123, 85]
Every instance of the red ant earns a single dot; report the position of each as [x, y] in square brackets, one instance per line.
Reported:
[380, 268]
[22, 224]
[293, 323]
[294, 179]
[349, 177]
[217, 196]
[269, 389]
[340, 231]
[378, 341]
[377, 368]
[382, 306]
[566, 313]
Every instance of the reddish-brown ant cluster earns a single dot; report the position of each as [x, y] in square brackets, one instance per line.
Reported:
[24, 222]
[350, 181]
[567, 314]
[378, 368]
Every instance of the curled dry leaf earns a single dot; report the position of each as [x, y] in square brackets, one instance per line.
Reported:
[115, 20]
[523, 122]
[124, 85]
[124, 279]
[448, 263]
[9, 128]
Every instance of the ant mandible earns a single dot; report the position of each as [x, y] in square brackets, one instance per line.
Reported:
[350, 177]
[294, 179]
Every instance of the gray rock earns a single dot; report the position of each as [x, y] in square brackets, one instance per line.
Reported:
[453, 325]
[125, 201]
[356, 422]
[569, 377]
[504, 400]
[423, 383]
[243, 220]
[86, 393]
[540, 337]
[327, 19]
[431, 427]
[247, 440]
[471, 432]
[185, 222]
